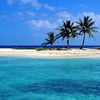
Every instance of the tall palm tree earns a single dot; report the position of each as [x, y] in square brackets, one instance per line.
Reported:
[50, 40]
[67, 30]
[86, 26]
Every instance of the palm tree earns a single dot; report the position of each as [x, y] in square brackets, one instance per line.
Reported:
[50, 40]
[86, 26]
[67, 30]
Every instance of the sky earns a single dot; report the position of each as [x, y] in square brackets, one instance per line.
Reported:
[27, 22]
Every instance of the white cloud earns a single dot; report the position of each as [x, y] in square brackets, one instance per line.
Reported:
[5, 16]
[49, 7]
[37, 4]
[33, 3]
[22, 15]
[64, 15]
[57, 21]
[29, 13]
[18, 15]
[95, 16]
[10, 2]
[45, 24]
[69, 16]
[83, 6]
[26, 1]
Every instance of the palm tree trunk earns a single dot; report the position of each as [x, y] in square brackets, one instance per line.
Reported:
[67, 43]
[83, 41]
[51, 46]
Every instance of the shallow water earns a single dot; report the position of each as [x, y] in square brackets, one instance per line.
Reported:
[49, 79]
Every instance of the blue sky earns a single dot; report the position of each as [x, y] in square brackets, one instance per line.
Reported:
[26, 22]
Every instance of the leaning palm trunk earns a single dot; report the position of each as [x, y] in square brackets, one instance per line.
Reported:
[83, 41]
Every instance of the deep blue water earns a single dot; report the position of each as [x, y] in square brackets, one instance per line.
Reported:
[49, 79]
[40, 46]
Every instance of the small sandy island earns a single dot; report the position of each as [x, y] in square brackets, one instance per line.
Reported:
[72, 53]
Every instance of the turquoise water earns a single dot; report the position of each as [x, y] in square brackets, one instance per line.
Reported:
[49, 79]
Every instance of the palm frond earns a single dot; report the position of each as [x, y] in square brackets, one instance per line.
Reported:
[47, 39]
[86, 26]
[91, 23]
[50, 39]
[67, 30]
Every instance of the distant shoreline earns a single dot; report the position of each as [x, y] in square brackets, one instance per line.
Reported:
[32, 53]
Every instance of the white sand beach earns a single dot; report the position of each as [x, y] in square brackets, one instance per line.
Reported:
[72, 53]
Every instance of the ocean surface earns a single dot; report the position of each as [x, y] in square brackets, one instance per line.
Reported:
[49, 79]
[40, 46]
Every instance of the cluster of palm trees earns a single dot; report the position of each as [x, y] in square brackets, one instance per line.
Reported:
[72, 30]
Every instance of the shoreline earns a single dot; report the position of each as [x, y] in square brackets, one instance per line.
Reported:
[56, 54]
